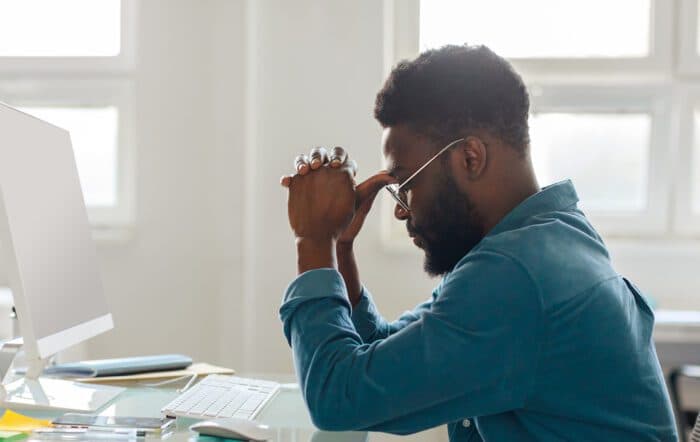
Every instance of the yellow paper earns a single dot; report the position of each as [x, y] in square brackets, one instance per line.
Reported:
[11, 421]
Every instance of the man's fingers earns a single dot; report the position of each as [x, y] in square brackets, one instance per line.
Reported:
[351, 166]
[368, 190]
[373, 184]
[286, 180]
[318, 157]
[338, 157]
[301, 164]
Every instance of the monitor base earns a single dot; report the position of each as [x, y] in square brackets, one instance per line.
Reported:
[32, 392]
[56, 394]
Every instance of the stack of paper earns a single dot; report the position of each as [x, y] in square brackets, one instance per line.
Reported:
[199, 368]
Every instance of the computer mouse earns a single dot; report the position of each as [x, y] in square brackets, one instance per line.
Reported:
[234, 428]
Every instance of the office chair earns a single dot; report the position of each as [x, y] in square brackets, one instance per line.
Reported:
[695, 435]
[682, 421]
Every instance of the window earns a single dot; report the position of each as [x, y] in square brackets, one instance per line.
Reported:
[687, 217]
[41, 28]
[48, 68]
[588, 146]
[458, 21]
[612, 142]
[607, 96]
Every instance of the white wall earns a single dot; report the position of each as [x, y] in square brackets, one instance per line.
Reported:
[166, 286]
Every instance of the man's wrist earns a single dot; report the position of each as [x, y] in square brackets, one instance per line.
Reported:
[344, 246]
[315, 253]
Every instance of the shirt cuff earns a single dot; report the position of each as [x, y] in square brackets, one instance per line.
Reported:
[367, 320]
[310, 286]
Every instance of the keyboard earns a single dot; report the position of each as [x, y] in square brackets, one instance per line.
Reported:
[218, 396]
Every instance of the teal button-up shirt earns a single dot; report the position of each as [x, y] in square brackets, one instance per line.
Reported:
[532, 336]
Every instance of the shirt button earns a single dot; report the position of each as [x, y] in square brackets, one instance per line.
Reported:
[466, 423]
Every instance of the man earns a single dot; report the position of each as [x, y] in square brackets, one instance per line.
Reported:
[530, 335]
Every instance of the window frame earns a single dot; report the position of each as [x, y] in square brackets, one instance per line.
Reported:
[686, 222]
[88, 82]
[603, 84]
[122, 63]
[688, 62]
[87, 93]
[612, 99]
[401, 42]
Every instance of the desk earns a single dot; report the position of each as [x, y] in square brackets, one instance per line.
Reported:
[286, 413]
[677, 338]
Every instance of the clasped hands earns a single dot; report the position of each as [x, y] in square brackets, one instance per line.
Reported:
[325, 205]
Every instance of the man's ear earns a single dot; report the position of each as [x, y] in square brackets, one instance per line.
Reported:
[474, 157]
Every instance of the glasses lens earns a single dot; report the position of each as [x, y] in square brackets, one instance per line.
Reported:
[398, 196]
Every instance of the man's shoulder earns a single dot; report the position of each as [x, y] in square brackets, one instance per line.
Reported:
[560, 250]
[489, 274]
[488, 287]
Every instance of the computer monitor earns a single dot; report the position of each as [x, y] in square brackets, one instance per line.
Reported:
[51, 260]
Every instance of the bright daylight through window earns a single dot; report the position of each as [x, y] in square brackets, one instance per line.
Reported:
[607, 95]
[613, 146]
[66, 28]
[474, 21]
[68, 66]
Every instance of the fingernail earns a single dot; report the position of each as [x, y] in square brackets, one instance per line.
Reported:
[335, 162]
[300, 167]
[315, 162]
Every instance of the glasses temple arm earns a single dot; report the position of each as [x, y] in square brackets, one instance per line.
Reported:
[428, 162]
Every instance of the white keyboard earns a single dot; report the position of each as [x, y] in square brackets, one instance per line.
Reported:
[218, 396]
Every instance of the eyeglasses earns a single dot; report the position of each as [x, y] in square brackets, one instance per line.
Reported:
[400, 195]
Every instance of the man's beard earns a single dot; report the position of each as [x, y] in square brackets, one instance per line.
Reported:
[451, 228]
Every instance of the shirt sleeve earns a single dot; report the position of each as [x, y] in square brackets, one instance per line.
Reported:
[474, 352]
[370, 324]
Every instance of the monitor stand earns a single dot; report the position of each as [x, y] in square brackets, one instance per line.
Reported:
[42, 393]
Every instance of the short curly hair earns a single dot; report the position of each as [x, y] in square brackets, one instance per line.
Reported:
[449, 91]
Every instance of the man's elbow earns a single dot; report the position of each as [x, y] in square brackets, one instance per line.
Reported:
[328, 414]
[326, 419]
[328, 425]
[333, 422]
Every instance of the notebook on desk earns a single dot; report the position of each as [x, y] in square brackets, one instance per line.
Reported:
[120, 366]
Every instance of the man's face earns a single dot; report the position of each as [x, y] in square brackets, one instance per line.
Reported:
[442, 219]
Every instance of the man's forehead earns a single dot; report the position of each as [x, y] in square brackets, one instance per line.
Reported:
[392, 154]
[402, 148]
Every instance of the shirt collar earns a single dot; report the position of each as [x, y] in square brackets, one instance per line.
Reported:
[555, 197]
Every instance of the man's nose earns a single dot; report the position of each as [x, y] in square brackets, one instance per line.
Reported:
[400, 213]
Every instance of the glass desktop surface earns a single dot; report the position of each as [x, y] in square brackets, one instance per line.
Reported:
[286, 414]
